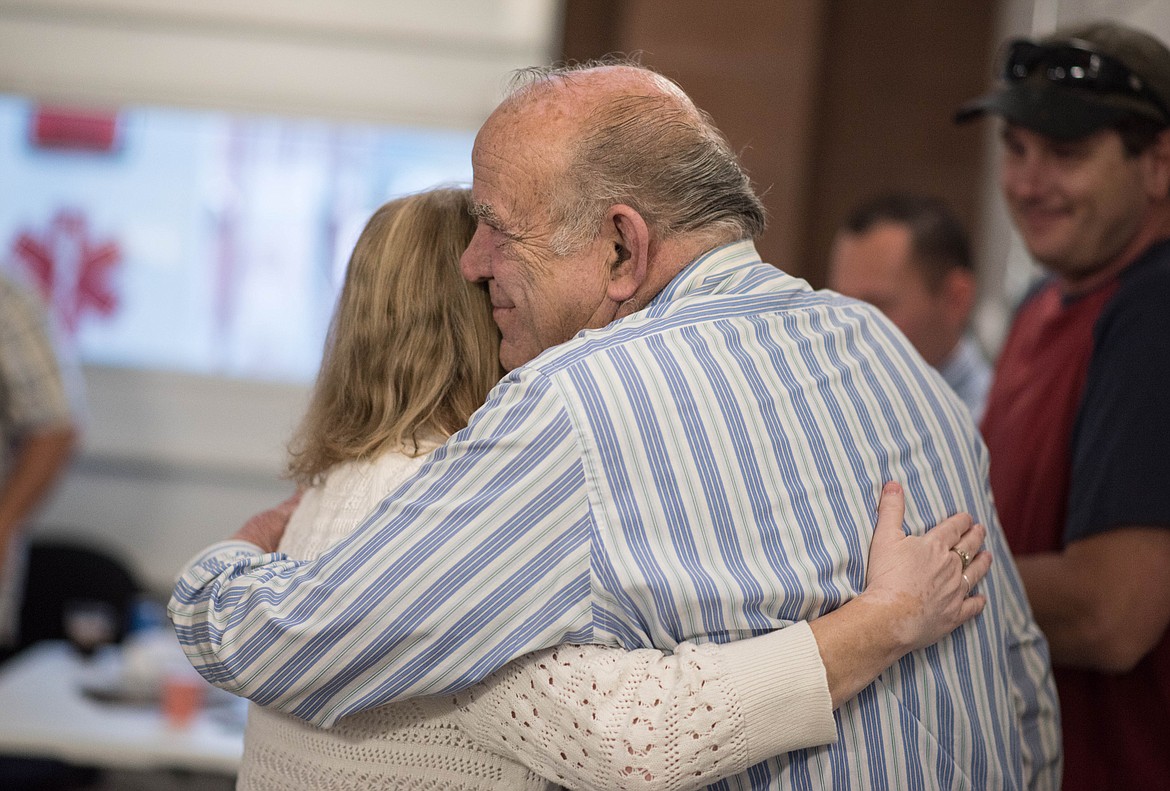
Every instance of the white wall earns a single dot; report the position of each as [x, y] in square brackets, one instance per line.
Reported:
[439, 61]
[169, 462]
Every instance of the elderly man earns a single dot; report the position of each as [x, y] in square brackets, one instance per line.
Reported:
[689, 446]
[1077, 423]
[908, 256]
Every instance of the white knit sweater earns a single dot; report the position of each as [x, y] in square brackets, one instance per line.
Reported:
[581, 716]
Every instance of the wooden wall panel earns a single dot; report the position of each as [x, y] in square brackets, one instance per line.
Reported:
[752, 65]
[893, 74]
[828, 100]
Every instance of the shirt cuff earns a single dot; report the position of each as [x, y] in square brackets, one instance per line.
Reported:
[783, 690]
[222, 552]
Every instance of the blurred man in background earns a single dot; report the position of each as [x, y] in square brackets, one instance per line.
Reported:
[1077, 420]
[909, 256]
[37, 435]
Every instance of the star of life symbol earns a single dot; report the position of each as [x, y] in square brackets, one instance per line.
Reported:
[71, 269]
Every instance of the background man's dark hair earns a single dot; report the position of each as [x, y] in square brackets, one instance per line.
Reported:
[1138, 132]
[938, 239]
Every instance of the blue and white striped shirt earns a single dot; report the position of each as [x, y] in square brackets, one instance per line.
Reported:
[706, 469]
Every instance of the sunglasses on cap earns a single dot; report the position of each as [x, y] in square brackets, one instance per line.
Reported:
[1074, 64]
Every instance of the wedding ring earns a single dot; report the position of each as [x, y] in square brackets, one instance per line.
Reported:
[963, 556]
[968, 593]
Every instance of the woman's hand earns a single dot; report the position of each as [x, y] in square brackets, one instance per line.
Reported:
[266, 528]
[924, 581]
[917, 592]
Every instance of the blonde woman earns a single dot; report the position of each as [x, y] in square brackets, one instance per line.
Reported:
[412, 352]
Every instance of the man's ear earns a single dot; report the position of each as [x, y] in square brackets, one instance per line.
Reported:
[1156, 167]
[629, 259]
[959, 290]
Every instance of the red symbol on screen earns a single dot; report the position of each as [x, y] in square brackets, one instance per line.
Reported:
[74, 129]
[71, 269]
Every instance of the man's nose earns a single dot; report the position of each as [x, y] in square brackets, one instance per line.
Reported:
[1025, 177]
[475, 263]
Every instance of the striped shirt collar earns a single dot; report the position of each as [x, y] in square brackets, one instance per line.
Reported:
[723, 269]
[734, 268]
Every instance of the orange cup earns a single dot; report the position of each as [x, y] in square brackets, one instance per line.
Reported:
[182, 698]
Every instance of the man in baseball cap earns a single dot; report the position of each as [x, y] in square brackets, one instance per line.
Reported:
[1077, 422]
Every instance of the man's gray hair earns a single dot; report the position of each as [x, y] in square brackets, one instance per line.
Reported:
[656, 153]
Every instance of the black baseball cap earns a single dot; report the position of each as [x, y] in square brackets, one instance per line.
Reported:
[1079, 80]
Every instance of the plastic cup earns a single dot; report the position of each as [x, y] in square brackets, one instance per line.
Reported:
[183, 692]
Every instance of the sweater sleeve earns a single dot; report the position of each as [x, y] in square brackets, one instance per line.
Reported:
[590, 717]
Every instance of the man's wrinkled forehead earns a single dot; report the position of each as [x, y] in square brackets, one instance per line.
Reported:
[531, 129]
[521, 147]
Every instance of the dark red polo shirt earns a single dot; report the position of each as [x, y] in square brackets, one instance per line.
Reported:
[1078, 429]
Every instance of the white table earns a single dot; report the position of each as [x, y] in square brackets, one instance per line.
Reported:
[44, 713]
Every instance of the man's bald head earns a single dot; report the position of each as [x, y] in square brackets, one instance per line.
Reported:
[619, 133]
[594, 187]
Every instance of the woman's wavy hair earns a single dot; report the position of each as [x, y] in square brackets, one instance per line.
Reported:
[412, 350]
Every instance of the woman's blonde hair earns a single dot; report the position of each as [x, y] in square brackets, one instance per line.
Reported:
[412, 350]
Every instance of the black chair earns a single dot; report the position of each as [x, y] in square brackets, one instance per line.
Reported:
[43, 774]
[61, 571]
